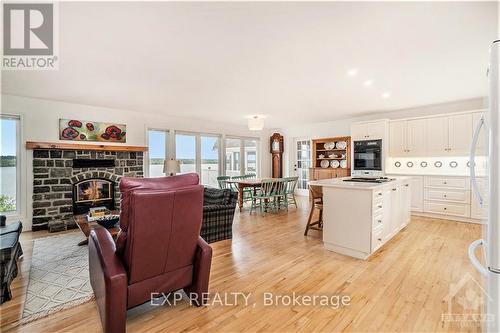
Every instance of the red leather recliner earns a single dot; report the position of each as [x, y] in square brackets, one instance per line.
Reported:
[159, 248]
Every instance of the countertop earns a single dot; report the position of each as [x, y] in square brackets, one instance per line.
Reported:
[340, 183]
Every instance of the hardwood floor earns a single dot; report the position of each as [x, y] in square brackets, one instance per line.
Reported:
[401, 288]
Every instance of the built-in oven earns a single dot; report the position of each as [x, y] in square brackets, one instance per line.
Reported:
[368, 158]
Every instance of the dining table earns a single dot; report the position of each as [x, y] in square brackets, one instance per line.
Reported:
[241, 184]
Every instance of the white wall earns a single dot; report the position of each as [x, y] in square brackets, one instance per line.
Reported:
[342, 127]
[40, 122]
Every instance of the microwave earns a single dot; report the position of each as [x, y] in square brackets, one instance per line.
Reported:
[367, 158]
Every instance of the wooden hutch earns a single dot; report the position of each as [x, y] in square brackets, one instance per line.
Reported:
[320, 153]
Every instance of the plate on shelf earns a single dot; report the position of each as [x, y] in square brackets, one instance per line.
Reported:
[329, 145]
[341, 145]
[324, 164]
[335, 164]
[343, 164]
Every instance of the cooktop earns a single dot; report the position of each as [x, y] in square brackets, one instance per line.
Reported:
[369, 180]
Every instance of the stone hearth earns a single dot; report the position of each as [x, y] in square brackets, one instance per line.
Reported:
[54, 176]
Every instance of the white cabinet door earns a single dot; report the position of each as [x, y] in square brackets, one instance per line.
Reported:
[481, 142]
[359, 132]
[396, 208]
[437, 136]
[397, 138]
[417, 194]
[459, 134]
[376, 130]
[404, 204]
[416, 135]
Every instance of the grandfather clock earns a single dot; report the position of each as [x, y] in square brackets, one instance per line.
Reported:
[277, 155]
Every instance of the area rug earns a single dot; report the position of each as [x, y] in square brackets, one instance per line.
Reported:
[59, 276]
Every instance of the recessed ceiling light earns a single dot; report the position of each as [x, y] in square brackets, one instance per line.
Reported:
[368, 83]
[387, 94]
[352, 72]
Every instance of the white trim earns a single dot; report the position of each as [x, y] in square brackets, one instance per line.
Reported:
[439, 115]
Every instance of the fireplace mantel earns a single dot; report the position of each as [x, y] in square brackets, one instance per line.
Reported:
[79, 146]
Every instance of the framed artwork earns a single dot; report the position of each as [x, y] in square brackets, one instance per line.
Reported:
[83, 130]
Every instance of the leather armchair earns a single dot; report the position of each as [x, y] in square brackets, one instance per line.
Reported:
[158, 249]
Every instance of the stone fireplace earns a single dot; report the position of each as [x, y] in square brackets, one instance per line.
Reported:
[68, 182]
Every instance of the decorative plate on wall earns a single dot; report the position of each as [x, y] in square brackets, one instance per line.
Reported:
[409, 164]
[343, 164]
[335, 164]
[324, 164]
[438, 164]
[423, 164]
[341, 145]
[453, 164]
[329, 145]
[397, 164]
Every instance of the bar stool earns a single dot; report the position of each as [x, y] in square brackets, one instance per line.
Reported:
[316, 196]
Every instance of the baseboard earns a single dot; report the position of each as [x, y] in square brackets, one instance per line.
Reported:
[447, 217]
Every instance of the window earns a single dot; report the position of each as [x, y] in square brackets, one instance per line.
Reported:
[209, 160]
[250, 156]
[9, 164]
[158, 143]
[241, 156]
[185, 152]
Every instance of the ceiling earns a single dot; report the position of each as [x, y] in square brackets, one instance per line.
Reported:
[288, 61]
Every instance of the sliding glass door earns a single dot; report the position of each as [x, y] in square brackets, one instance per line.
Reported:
[186, 152]
[233, 152]
[209, 160]
[250, 153]
[158, 151]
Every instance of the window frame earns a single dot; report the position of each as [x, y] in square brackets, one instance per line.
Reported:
[167, 146]
[242, 160]
[18, 119]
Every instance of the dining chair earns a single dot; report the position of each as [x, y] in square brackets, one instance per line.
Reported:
[264, 199]
[222, 181]
[316, 195]
[280, 193]
[291, 184]
[247, 192]
[250, 176]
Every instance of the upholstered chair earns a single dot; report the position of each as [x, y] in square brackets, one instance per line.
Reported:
[159, 248]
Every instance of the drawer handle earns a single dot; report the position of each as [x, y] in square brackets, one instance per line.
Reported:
[394, 189]
[379, 239]
[379, 193]
[444, 195]
[379, 206]
[406, 185]
[444, 183]
[445, 208]
[379, 221]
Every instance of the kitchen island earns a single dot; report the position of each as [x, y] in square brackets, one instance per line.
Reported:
[358, 218]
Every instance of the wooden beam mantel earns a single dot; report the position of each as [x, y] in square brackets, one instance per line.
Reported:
[79, 146]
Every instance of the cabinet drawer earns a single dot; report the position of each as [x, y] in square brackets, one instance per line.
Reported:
[377, 240]
[448, 182]
[378, 194]
[441, 194]
[378, 222]
[378, 207]
[445, 208]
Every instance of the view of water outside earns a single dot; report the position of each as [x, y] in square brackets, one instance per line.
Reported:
[8, 177]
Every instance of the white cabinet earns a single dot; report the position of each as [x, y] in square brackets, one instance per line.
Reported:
[407, 138]
[417, 193]
[450, 135]
[372, 130]
[447, 196]
[416, 134]
[397, 138]
[405, 202]
[437, 136]
[459, 134]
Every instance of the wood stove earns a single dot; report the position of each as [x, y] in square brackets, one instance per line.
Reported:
[93, 192]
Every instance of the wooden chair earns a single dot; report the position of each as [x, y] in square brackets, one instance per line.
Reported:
[316, 196]
[223, 184]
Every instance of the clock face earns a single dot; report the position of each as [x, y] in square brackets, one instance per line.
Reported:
[276, 145]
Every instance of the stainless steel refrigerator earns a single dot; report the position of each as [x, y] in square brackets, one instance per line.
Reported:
[489, 197]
